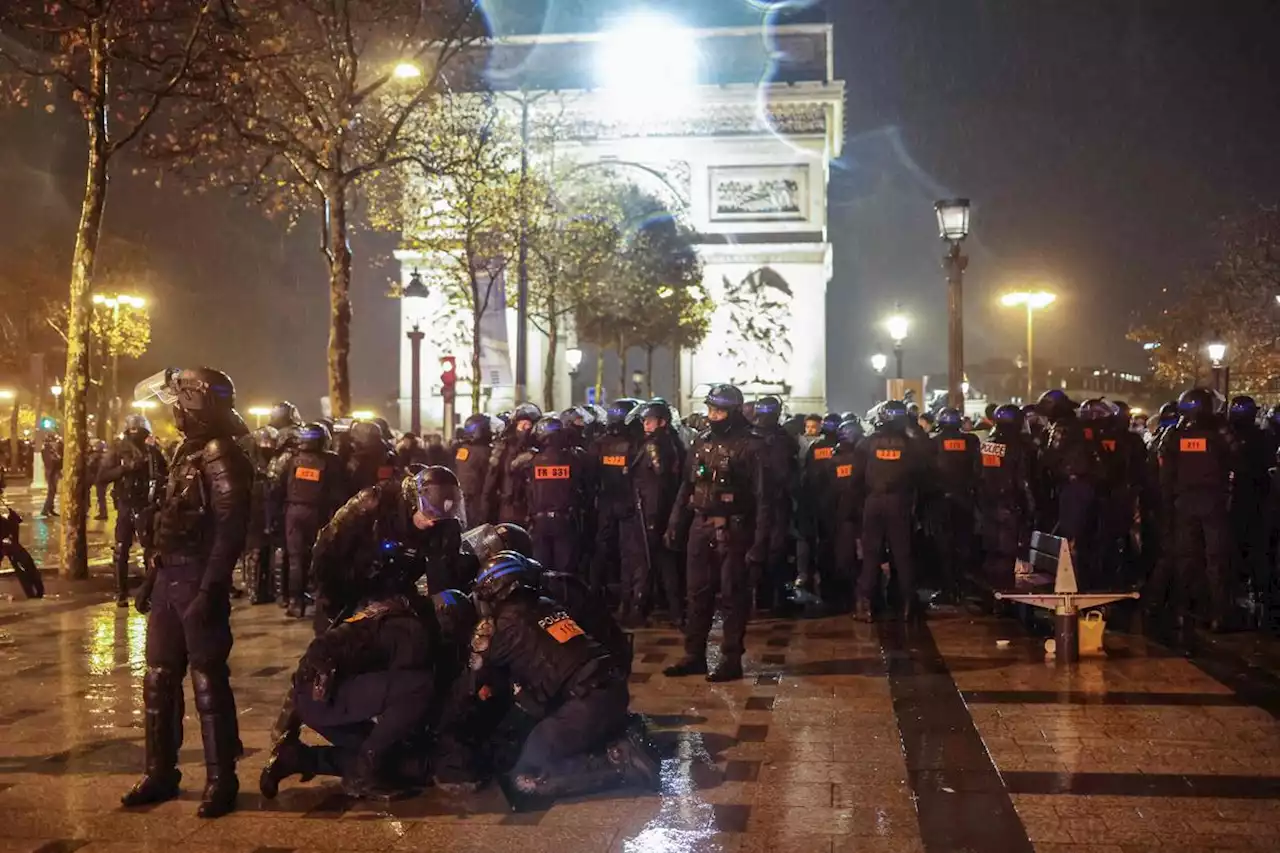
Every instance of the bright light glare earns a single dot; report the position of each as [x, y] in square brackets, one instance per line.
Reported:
[260, 411]
[1036, 300]
[6, 394]
[879, 362]
[144, 404]
[648, 63]
[1217, 352]
[897, 326]
[121, 299]
[964, 388]
[363, 415]
[573, 355]
[56, 390]
[406, 71]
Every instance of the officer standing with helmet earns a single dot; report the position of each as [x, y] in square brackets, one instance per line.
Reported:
[309, 489]
[780, 453]
[200, 533]
[655, 471]
[723, 508]
[471, 462]
[557, 488]
[504, 492]
[284, 415]
[1070, 464]
[137, 469]
[93, 470]
[889, 465]
[1253, 452]
[372, 460]
[844, 509]
[259, 546]
[1005, 502]
[1195, 471]
[615, 495]
[814, 536]
[957, 460]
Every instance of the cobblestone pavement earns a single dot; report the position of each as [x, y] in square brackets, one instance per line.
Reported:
[40, 537]
[843, 737]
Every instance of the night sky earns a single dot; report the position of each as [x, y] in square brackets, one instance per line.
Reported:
[1099, 140]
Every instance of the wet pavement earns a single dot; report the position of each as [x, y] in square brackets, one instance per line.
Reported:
[844, 737]
[40, 537]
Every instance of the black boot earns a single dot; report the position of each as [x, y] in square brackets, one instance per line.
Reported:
[687, 665]
[120, 563]
[730, 669]
[297, 609]
[636, 759]
[219, 733]
[289, 757]
[162, 696]
[366, 781]
[863, 611]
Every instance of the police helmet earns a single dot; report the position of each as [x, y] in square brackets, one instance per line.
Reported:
[892, 411]
[524, 412]
[655, 409]
[137, 424]
[1054, 403]
[768, 411]
[385, 428]
[365, 436]
[1196, 402]
[850, 431]
[501, 575]
[313, 437]
[1243, 409]
[617, 412]
[831, 422]
[488, 539]
[724, 396]
[201, 397]
[950, 418]
[1168, 415]
[545, 429]
[434, 492]
[1008, 414]
[455, 614]
[478, 429]
[794, 426]
[264, 438]
[1274, 415]
[1095, 410]
[284, 414]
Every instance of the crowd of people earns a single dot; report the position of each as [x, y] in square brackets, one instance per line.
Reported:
[469, 602]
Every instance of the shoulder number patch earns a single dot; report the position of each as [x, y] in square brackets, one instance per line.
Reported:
[551, 472]
[463, 454]
[1109, 445]
[844, 471]
[954, 444]
[309, 474]
[561, 627]
[889, 455]
[1193, 445]
[615, 461]
[386, 472]
[824, 452]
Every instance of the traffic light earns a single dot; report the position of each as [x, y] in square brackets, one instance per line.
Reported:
[48, 424]
[449, 378]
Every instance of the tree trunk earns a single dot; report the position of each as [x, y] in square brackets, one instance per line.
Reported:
[599, 376]
[676, 391]
[75, 552]
[648, 371]
[13, 429]
[549, 368]
[622, 367]
[476, 378]
[338, 253]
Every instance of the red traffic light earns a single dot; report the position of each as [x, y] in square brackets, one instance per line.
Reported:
[448, 377]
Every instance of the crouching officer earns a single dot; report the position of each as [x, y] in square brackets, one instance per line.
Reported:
[200, 534]
[367, 685]
[309, 488]
[137, 469]
[565, 680]
[422, 514]
[725, 509]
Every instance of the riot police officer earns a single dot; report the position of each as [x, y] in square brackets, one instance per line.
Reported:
[93, 470]
[556, 487]
[422, 514]
[309, 488]
[137, 469]
[843, 506]
[815, 539]
[471, 462]
[284, 415]
[615, 501]
[1100, 423]
[200, 533]
[655, 473]
[1005, 502]
[956, 459]
[1253, 451]
[780, 455]
[1069, 462]
[723, 508]
[1195, 469]
[259, 545]
[410, 450]
[372, 460]
[581, 742]
[889, 465]
[504, 492]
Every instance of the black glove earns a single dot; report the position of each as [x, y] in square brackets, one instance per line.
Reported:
[201, 608]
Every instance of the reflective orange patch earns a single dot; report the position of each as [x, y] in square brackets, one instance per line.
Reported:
[616, 461]
[824, 452]
[386, 472]
[551, 472]
[1193, 445]
[843, 471]
[954, 444]
[564, 630]
[1088, 433]
[309, 474]
[463, 454]
[990, 460]
[1109, 445]
[889, 455]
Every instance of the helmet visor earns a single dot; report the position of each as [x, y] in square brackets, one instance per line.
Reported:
[157, 386]
[438, 501]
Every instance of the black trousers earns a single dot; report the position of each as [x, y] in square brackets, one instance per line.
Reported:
[555, 541]
[1078, 521]
[886, 519]
[953, 538]
[717, 565]
[1001, 533]
[373, 712]
[637, 547]
[302, 524]
[574, 729]
[606, 557]
[51, 497]
[1202, 554]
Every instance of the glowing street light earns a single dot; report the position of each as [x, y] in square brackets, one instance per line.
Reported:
[1217, 353]
[573, 356]
[7, 394]
[1217, 349]
[144, 405]
[406, 71]
[415, 300]
[1033, 300]
[115, 302]
[259, 412]
[897, 326]
[56, 391]
[648, 63]
[953, 226]
[364, 415]
[879, 362]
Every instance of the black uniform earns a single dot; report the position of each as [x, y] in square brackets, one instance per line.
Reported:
[505, 493]
[842, 487]
[309, 487]
[951, 503]
[1195, 467]
[615, 505]
[1070, 464]
[554, 480]
[779, 453]
[137, 469]
[51, 456]
[1253, 452]
[471, 464]
[655, 472]
[1005, 505]
[258, 545]
[888, 463]
[815, 547]
[724, 506]
[93, 470]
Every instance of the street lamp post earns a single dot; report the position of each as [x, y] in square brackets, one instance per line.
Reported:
[1221, 370]
[953, 226]
[637, 383]
[1032, 300]
[115, 303]
[573, 356]
[415, 296]
[897, 326]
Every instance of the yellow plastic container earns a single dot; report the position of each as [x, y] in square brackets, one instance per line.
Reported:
[1092, 627]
